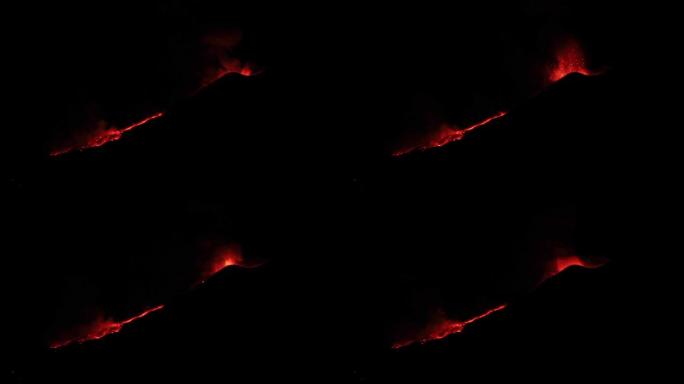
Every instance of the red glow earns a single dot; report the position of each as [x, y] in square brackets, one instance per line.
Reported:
[228, 66]
[103, 136]
[101, 328]
[563, 262]
[446, 135]
[443, 327]
[225, 257]
[107, 133]
[569, 59]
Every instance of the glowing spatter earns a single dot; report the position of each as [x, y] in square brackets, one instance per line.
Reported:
[101, 328]
[569, 59]
[447, 134]
[442, 327]
[102, 136]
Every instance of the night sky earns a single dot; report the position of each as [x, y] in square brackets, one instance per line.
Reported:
[248, 193]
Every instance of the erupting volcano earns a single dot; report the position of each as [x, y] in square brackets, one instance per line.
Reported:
[228, 256]
[563, 262]
[106, 133]
[441, 327]
[569, 59]
[101, 328]
[347, 197]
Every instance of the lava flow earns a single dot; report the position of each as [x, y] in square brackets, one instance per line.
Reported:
[107, 133]
[569, 58]
[103, 136]
[443, 327]
[227, 256]
[446, 135]
[101, 328]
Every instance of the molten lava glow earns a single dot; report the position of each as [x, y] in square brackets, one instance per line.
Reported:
[228, 257]
[569, 59]
[101, 328]
[225, 257]
[563, 262]
[446, 135]
[442, 327]
[232, 66]
[103, 136]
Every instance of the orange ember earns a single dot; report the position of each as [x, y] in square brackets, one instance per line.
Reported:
[101, 328]
[569, 59]
[443, 327]
[446, 135]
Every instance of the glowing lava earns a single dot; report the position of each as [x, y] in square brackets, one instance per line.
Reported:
[226, 257]
[563, 262]
[442, 327]
[446, 135]
[229, 67]
[101, 328]
[105, 135]
[569, 59]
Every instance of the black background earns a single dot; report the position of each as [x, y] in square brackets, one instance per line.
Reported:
[295, 165]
